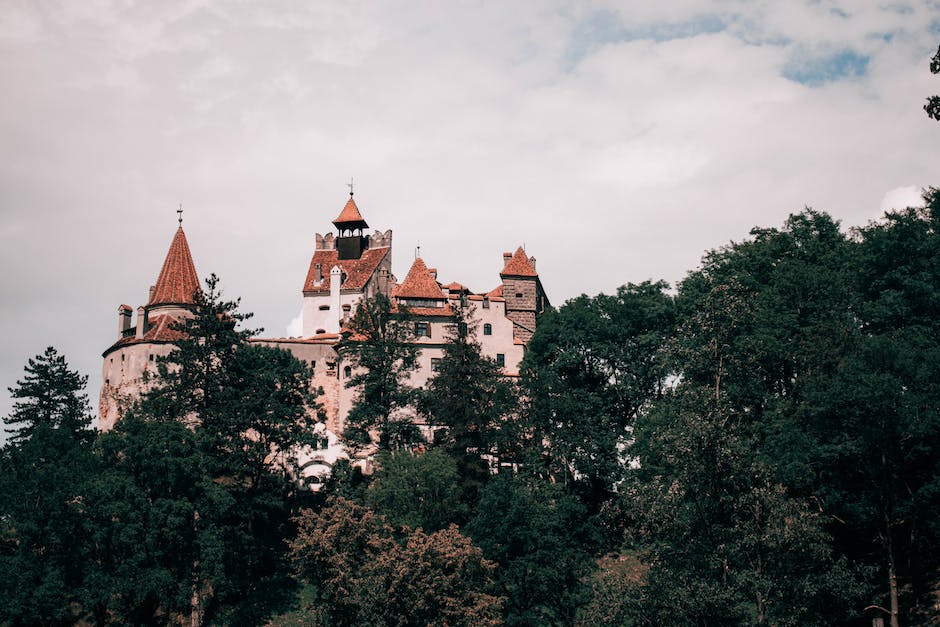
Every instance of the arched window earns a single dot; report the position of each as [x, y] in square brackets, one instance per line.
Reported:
[487, 329]
[347, 372]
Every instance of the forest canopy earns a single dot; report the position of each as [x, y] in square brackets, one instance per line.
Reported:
[756, 446]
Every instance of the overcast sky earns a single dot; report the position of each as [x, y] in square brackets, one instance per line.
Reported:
[618, 141]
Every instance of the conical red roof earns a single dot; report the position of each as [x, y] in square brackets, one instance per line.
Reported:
[350, 217]
[519, 265]
[178, 280]
[419, 283]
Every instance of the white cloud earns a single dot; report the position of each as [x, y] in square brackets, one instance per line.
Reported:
[295, 327]
[902, 197]
[618, 140]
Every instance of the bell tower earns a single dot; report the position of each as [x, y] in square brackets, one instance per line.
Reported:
[350, 239]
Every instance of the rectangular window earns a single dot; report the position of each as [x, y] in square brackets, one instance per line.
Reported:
[500, 360]
[324, 307]
[486, 303]
[423, 329]
[487, 329]
[435, 364]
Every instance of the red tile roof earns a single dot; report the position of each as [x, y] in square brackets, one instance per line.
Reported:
[178, 280]
[419, 283]
[519, 265]
[160, 332]
[350, 217]
[496, 292]
[357, 271]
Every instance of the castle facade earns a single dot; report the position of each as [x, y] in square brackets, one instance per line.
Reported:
[344, 269]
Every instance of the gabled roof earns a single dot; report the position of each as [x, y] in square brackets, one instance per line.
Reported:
[519, 265]
[349, 217]
[178, 280]
[419, 283]
[358, 271]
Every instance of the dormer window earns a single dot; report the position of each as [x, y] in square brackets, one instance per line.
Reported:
[319, 272]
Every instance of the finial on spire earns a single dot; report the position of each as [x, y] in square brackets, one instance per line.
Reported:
[418, 251]
[350, 186]
[179, 215]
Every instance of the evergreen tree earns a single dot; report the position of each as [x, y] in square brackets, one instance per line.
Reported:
[475, 403]
[932, 107]
[249, 406]
[50, 396]
[382, 354]
[42, 469]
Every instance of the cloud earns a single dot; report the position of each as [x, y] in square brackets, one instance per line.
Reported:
[902, 197]
[618, 141]
[295, 328]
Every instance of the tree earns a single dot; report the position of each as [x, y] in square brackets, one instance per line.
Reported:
[42, 469]
[542, 540]
[249, 406]
[724, 542]
[364, 576]
[417, 490]
[475, 403]
[50, 396]
[932, 107]
[383, 356]
[591, 368]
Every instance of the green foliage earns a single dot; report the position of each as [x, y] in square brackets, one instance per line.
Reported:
[724, 542]
[50, 396]
[590, 370]
[249, 406]
[365, 576]
[541, 539]
[42, 468]
[417, 490]
[475, 403]
[383, 357]
[932, 107]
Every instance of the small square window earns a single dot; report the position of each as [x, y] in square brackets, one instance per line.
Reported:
[435, 364]
[423, 329]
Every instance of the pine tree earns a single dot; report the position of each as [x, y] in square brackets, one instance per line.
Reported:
[50, 396]
[382, 354]
[471, 398]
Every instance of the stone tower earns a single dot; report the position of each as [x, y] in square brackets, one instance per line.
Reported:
[523, 293]
[138, 347]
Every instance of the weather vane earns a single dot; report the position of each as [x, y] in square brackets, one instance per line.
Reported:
[350, 186]
[179, 215]
[418, 250]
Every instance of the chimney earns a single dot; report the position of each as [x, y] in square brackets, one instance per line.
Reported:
[124, 319]
[141, 321]
[532, 261]
[152, 288]
[506, 258]
[433, 272]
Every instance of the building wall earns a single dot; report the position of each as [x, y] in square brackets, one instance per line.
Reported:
[122, 378]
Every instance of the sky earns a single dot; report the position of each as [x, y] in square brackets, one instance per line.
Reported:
[616, 141]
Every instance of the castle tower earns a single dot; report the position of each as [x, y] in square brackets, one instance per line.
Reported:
[138, 347]
[523, 293]
[344, 269]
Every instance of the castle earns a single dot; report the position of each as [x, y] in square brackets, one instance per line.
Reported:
[344, 269]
